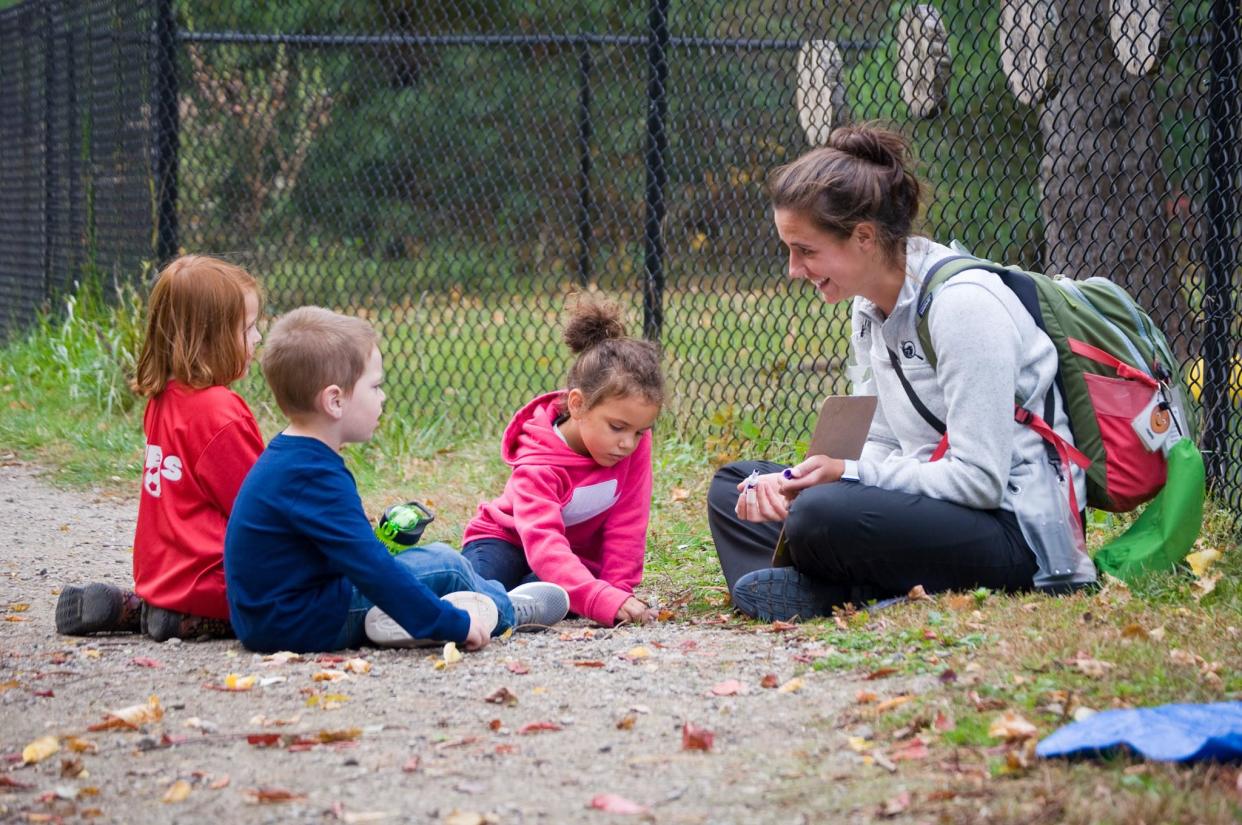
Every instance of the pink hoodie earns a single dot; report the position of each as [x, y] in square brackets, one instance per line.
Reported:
[583, 526]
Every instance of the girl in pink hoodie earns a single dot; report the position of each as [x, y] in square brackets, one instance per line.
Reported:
[575, 509]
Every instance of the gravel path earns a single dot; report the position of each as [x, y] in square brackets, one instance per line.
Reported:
[588, 711]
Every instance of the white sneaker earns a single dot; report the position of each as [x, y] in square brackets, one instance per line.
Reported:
[384, 631]
[538, 605]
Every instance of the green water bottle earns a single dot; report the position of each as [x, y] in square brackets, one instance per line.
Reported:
[402, 526]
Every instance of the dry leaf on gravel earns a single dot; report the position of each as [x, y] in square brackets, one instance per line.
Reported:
[131, 717]
[502, 696]
[537, 727]
[612, 804]
[627, 722]
[881, 673]
[518, 668]
[219, 783]
[588, 663]
[918, 594]
[1094, 668]
[268, 796]
[143, 661]
[179, 791]
[916, 748]
[329, 676]
[411, 765]
[40, 749]
[792, 686]
[359, 666]
[889, 704]
[695, 738]
[634, 654]
[729, 687]
[769, 681]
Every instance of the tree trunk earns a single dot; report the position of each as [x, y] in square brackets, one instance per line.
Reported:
[1102, 183]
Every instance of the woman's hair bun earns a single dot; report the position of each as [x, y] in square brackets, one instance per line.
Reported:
[592, 322]
[879, 146]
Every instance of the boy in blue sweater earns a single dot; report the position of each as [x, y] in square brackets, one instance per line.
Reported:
[303, 568]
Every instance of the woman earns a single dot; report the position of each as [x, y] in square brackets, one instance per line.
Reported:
[992, 510]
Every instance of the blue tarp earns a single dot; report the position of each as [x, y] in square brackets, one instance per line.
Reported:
[1167, 733]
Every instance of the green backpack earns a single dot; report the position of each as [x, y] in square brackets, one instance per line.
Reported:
[1114, 364]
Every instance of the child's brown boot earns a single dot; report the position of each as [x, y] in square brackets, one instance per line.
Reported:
[97, 608]
[162, 625]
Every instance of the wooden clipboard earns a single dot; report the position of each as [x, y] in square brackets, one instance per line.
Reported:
[840, 432]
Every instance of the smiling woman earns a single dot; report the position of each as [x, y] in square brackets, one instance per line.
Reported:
[984, 504]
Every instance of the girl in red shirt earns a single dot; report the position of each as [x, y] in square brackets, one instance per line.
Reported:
[575, 509]
[201, 440]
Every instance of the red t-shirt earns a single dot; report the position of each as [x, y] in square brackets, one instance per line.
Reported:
[200, 445]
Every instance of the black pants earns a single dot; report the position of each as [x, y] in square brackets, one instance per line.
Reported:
[872, 543]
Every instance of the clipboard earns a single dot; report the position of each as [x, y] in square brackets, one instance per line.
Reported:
[840, 431]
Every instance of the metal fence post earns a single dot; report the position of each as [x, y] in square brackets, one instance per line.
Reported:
[584, 163]
[165, 128]
[49, 134]
[657, 148]
[1221, 214]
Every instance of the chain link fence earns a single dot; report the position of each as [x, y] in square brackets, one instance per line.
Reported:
[454, 171]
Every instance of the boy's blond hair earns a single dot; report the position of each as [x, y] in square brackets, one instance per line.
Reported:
[311, 348]
[195, 317]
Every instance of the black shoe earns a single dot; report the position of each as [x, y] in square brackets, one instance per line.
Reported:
[781, 594]
[96, 608]
[162, 625]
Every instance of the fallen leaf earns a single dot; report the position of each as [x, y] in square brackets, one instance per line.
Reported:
[916, 748]
[90, 653]
[9, 782]
[19, 607]
[69, 768]
[219, 783]
[502, 696]
[1133, 631]
[133, 716]
[329, 676]
[897, 805]
[627, 722]
[143, 661]
[858, 744]
[865, 697]
[918, 594]
[40, 749]
[1204, 585]
[881, 673]
[942, 722]
[364, 817]
[271, 722]
[889, 704]
[634, 654]
[537, 727]
[947, 675]
[678, 494]
[588, 663]
[779, 626]
[520, 668]
[769, 681]
[451, 654]
[792, 686]
[16, 619]
[960, 601]
[665, 615]
[341, 735]
[613, 804]
[179, 791]
[359, 666]
[411, 765]
[77, 745]
[1199, 561]
[695, 738]
[282, 657]
[267, 796]
[1094, 668]
[263, 740]
[729, 687]
[456, 817]
[1010, 726]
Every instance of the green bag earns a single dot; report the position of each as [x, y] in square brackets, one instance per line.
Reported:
[1166, 531]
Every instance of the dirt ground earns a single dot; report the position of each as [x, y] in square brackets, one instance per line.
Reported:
[588, 712]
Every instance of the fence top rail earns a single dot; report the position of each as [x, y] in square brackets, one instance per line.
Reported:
[499, 39]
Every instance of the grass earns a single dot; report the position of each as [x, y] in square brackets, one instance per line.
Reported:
[977, 655]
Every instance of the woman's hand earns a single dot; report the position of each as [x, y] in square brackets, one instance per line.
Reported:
[817, 469]
[763, 502]
[634, 611]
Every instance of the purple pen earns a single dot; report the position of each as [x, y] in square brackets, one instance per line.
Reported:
[788, 473]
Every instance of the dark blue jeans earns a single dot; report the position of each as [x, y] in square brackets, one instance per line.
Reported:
[443, 570]
[500, 561]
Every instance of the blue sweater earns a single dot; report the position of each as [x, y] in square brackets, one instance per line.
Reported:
[298, 542]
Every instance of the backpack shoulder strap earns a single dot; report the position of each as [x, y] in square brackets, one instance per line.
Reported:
[949, 267]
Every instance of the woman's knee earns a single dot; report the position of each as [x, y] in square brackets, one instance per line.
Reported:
[818, 518]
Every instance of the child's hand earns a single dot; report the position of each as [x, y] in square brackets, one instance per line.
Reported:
[477, 638]
[634, 611]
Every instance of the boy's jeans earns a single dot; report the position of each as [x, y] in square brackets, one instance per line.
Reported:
[444, 571]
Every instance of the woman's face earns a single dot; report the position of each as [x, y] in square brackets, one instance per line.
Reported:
[840, 268]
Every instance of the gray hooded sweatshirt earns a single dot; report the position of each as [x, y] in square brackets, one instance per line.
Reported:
[989, 353]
